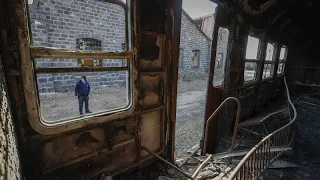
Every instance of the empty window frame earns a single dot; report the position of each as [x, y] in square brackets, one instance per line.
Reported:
[269, 62]
[282, 60]
[251, 61]
[195, 59]
[76, 41]
[221, 53]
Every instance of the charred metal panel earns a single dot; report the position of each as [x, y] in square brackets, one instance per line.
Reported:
[152, 91]
[151, 132]
[214, 94]
[153, 15]
[152, 56]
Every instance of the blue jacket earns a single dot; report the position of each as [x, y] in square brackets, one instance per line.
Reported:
[82, 89]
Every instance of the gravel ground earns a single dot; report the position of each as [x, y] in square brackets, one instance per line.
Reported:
[306, 146]
[190, 114]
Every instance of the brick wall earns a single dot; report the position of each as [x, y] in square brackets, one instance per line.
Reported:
[191, 38]
[59, 23]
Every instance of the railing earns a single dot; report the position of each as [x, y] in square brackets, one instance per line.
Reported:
[260, 157]
[204, 151]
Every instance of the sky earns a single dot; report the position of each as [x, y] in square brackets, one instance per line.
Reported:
[198, 8]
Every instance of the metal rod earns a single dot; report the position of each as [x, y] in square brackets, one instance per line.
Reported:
[201, 166]
[212, 117]
[168, 163]
[188, 158]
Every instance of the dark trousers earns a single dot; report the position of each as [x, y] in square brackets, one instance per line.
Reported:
[84, 99]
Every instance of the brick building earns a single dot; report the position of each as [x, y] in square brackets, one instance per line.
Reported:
[98, 25]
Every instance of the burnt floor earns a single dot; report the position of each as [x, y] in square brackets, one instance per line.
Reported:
[306, 145]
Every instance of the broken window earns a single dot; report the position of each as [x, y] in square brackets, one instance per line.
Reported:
[72, 41]
[195, 59]
[269, 62]
[251, 61]
[282, 60]
[222, 50]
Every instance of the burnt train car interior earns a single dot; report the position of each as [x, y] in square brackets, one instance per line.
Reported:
[232, 94]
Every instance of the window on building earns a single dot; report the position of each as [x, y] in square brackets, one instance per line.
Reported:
[195, 59]
[252, 61]
[181, 58]
[88, 44]
[269, 62]
[222, 51]
[282, 60]
[72, 41]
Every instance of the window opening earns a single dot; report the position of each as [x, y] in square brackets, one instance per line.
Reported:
[195, 59]
[282, 60]
[222, 50]
[78, 42]
[196, 34]
[251, 61]
[269, 62]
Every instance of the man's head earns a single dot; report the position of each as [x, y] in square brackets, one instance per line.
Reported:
[83, 79]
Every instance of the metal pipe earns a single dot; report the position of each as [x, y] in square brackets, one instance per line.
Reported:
[235, 131]
[168, 163]
[201, 166]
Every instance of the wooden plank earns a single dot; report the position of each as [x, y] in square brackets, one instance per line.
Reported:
[44, 52]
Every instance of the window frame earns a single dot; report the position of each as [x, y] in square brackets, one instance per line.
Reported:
[257, 61]
[267, 62]
[282, 61]
[217, 55]
[199, 59]
[30, 72]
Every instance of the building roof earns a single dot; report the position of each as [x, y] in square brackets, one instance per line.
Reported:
[193, 22]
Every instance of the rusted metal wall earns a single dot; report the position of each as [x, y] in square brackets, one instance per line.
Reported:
[112, 146]
[252, 95]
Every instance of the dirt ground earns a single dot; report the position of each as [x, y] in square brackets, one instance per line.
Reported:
[64, 105]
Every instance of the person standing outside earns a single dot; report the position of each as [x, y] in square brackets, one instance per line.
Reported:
[82, 90]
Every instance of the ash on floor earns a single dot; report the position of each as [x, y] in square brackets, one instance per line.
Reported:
[154, 171]
[305, 154]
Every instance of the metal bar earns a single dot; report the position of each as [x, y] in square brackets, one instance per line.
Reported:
[44, 52]
[40, 70]
[188, 158]
[168, 163]
[201, 166]
[212, 117]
